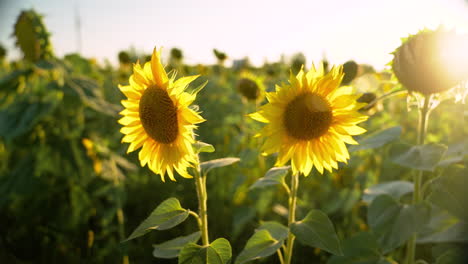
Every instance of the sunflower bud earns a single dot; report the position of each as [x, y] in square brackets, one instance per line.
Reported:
[419, 62]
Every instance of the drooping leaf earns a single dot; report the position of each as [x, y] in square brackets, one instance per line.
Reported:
[378, 139]
[209, 165]
[199, 147]
[260, 245]
[316, 230]
[273, 176]
[394, 223]
[167, 215]
[171, 248]
[218, 252]
[423, 157]
[395, 189]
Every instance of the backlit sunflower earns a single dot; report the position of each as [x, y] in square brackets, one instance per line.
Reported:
[309, 121]
[158, 119]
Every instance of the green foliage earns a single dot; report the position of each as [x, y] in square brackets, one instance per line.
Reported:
[274, 176]
[393, 223]
[218, 252]
[217, 163]
[395, 189]
[378, 138]
[167, 215]
[171, 248]
[362, 248]
[316, 230]
[261, 244]
[425, 157]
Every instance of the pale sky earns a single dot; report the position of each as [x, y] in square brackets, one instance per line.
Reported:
[363, 30]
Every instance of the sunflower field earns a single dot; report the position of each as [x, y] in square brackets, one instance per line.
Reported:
[158, 161]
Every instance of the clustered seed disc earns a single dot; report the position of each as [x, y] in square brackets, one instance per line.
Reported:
[158, 115]
[307, 116]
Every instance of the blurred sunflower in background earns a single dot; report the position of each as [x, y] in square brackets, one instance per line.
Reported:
[310, 119]
[250, 86]
[158, 119]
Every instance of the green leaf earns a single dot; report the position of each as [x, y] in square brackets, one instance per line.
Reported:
[209, 165]
[443, 228]
[276, 230]
[260, 245]
[171, 248]
[218, 252]
[362, 248]
[423, 157]
[273, 176]
[316, 230]
[167, 215]
[202, 147]
[449, 192]
[378, 139]
[394, 223]
[22, 116]
[395, 189]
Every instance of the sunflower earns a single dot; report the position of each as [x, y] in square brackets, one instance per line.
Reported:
[309, 121]
[250, 86]
[158, 119]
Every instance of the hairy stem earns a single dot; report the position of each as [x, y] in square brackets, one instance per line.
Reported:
[200, 183]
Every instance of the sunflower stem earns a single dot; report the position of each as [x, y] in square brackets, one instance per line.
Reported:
[422, 128]
[291, 216]
[200, 183]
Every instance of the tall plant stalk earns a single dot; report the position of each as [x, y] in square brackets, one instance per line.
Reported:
[200, 182]
[291, 216]
[417, 197]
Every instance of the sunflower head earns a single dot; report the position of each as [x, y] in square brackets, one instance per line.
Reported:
[309, 120]
[419, 62]
[157, 118]
[250, 86]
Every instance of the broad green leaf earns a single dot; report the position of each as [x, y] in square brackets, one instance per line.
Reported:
[362, 248]
[209, 165]
[22, 116]
[218, 252]
[316, 230]
[422, 157]
[260, 245]
[395, 189]
[273, 176]
[443, 228]
[202, 147]
[167, 215]
[455, 153]
[276, 230]
[449, 192]
[171, 248]
[378, 139]
[394, 223]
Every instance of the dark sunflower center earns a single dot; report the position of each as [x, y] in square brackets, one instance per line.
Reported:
[158, 115]
[248, 88]
[308, 116]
